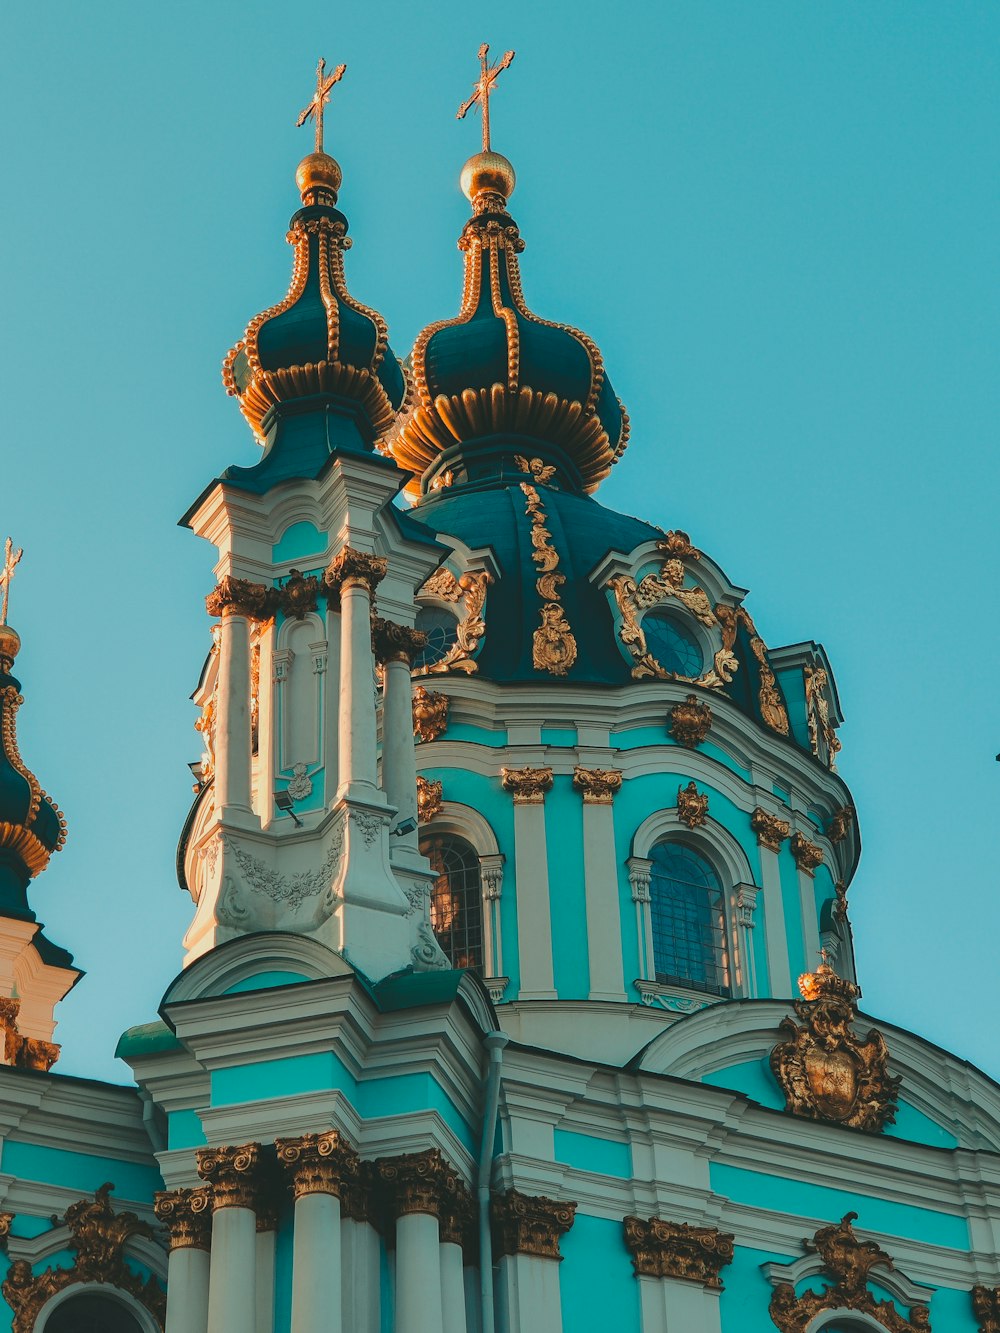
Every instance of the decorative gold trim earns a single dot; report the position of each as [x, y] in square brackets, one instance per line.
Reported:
[527, 785]
[187, 1215]
[457, 1220]
[32, 852]
[318, 1163]
[530, 1224]
[598, 786]
[299, 594]
[986, 1308]
[358, 1196]
[351, 567]
[540, 472]
[692, 805]
[690, 722]
[634, 598]
[11, 702]
[419, 1182]
[840, 906]
[430, 714]
[430, 799]
[770, 830]
[470, 592]
[392, 642]
[677, 1250]
[99, 1238]
[840, 823]
[241, 597]
[772, 708]
[234, 1174]
[808, 856]
[849, 1261]
[22, 1052]
[818, 717]
[553, 644]
[827, 1072]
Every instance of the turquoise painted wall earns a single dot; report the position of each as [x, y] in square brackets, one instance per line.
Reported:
[760, 1190]
[297, 542]
[84, 1172]
[567, 901]
[747, 1293]
[597, 1288]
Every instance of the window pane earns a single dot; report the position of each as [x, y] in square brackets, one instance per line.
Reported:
[92, 1314]
[672, 644]
[441, 629]
[456, 899]
[689, 922]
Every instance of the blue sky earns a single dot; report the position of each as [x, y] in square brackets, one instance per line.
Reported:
[779, 222]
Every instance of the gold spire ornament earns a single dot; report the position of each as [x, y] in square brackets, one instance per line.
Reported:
[485, 86]
[320, 99]
[11, 561]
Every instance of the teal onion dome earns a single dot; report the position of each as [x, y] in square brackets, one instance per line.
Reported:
[319, 348]
[497, 380]
[31, 825]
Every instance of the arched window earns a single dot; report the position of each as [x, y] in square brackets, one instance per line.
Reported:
[456, 899]
[687, 906]
[92, 1314]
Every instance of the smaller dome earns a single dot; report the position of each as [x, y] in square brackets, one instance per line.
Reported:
[319, 346]
[498, 381]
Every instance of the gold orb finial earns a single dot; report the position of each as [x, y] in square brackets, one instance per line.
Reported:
[488, 173]
[10, 645]
[319, 177]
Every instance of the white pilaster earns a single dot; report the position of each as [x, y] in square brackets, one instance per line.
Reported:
[671, 1306]
[232, 737]
[640, 871]
[600, 879]
[531, 869]
[528, 1295]
[419, 1307]
[399, 762]
[810, 917]
[357, 721]
[775, 929]
[331, 705]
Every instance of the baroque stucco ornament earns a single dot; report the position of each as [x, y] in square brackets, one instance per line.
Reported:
[527, 785]
[824, 1069]
[553, 644]
[690, 722]
[469, 591]
[530, 1224]
[597, 785]
[692, 805]
[986, 1308]
[430, 714]
[430, 798]
[99, 1236]
[849, 1261]
[677, 1250]
[187, 1215]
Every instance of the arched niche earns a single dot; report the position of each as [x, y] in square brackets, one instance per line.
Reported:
[241, 959]
[94, 1307]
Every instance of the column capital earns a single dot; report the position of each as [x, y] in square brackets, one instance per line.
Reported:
[317, 1163]
[807, 855]
[240, 597]
[457, 1218]
[417, 1182]
[771, 831]
[599, 786]
[187, 1215]
[349, 568]
[640, 878]
[677, 1250]
[392, 642]
[986, 1308]
[530, 1224]
[234, 1174]
[527, 785]
[358, 1201]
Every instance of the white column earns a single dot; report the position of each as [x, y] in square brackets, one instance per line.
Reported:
[232, 736]
[670, 1306]
[528, 1295]
[775, 930]
[418, 1275]
[331, 706]
[267, 1237]
[360, 1268]
[187, 1291]
[356, 574]
[473, 1313]
[316, 1271]
[531, 869]
[399, 760]
[600, 882]
[453, 1288]
[232, 1292]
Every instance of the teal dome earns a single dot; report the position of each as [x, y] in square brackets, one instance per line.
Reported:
[497, 379]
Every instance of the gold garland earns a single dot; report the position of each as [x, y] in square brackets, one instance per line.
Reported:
[553, 644]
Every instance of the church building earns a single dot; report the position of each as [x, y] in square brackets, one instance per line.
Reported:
[519, 992]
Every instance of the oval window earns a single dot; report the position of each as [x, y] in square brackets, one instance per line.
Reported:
[441, 629]
[673, 645]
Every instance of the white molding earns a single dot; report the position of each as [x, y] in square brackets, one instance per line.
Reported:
[214, 973]
[138, 1312]
[897, 1284]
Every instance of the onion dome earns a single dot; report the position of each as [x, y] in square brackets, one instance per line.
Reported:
[497, 380]
[31, 825]
[319, 350]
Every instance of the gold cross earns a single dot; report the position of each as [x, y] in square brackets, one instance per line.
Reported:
[484, 87]
[10, 562]
[320, 99]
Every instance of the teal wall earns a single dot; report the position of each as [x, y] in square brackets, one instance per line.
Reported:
[298, 542]
[746, 1291]
[597, 1287]
[567, 900]
[84, 1172]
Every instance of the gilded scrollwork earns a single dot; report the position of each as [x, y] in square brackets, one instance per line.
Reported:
[986, 1308]
[98, 1238]
[807, 855]
[350, 567]
[677, 1250]
[840, 823]
[824, 1069]
[822, 733]
[772, 706]
[851, 1263]
[527, 785]
[391, 641]
[470, 593]
[240, 597]
[634, 598]
[771, 830]
[430, 798]
[530, 1224]
[690, 721]
[598, 786]
[187, 1215]
[692, 805]
[235, 1174]
[19, 1051]
[553, 644]
[299, 594]
[430, 714]
[419, 1182]
[317, 1163]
